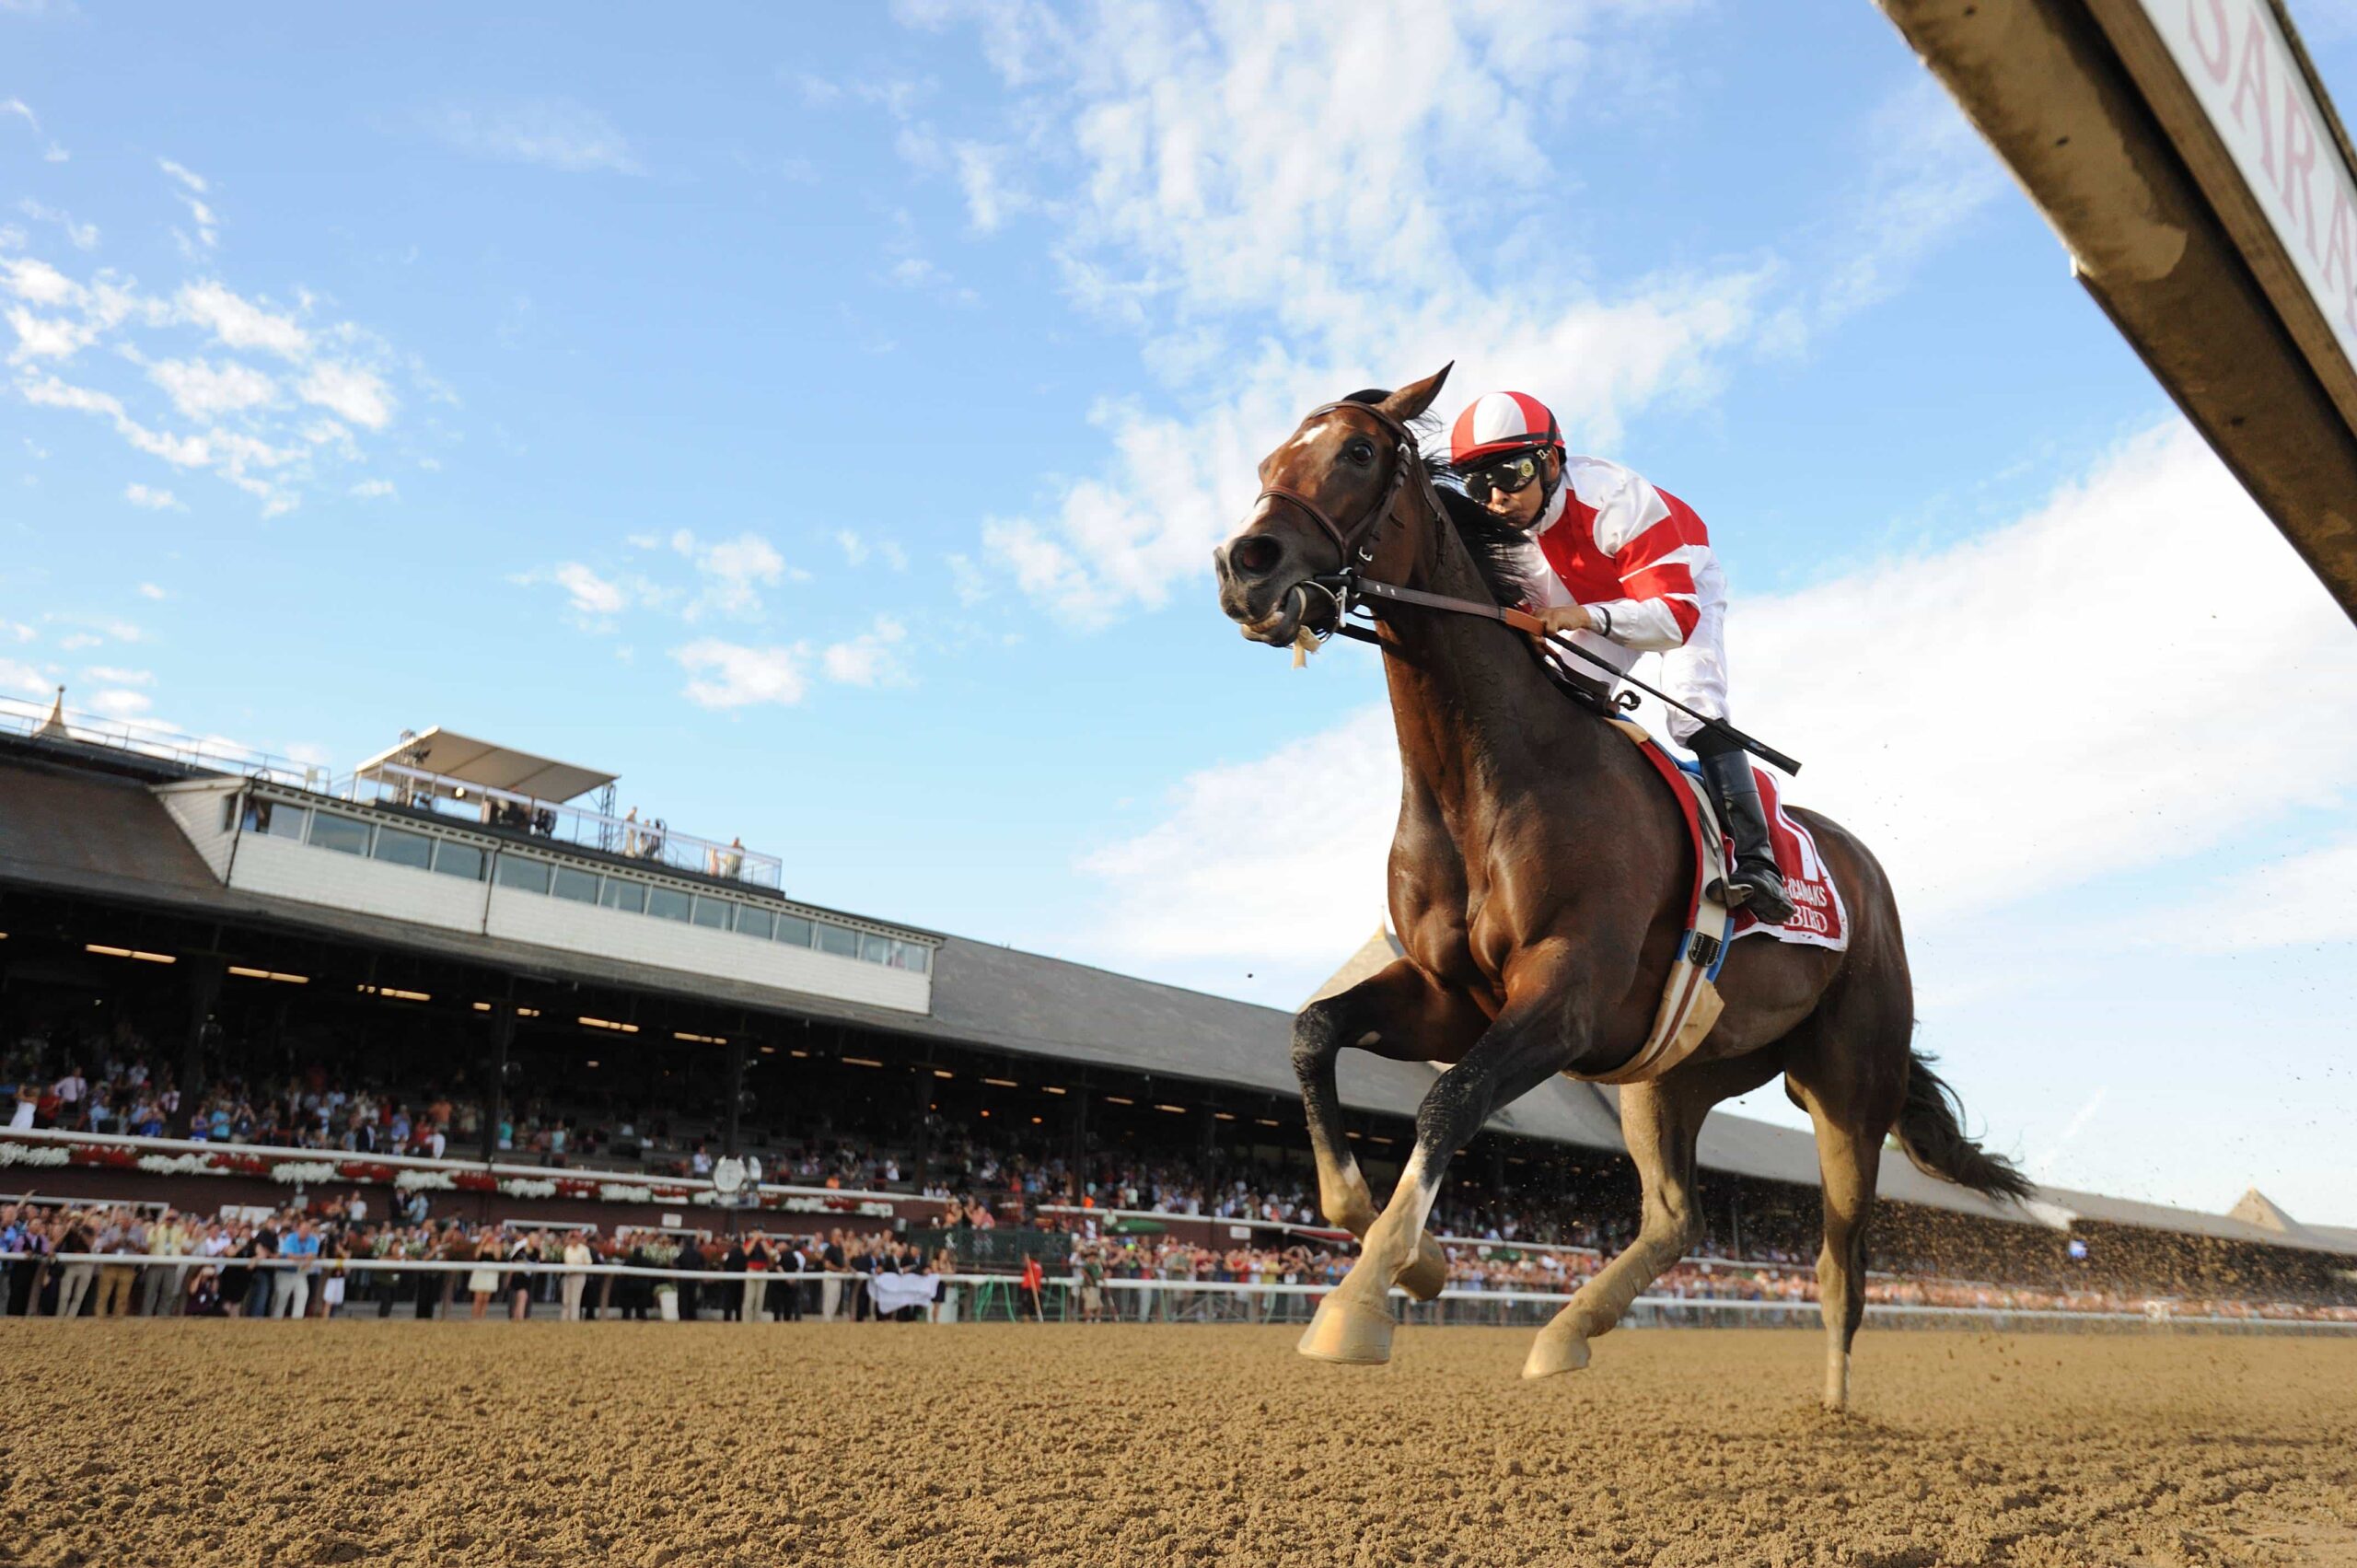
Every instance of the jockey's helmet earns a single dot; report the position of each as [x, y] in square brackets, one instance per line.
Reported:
[1497, 424]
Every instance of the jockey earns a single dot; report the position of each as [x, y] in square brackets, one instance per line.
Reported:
[1626, 569]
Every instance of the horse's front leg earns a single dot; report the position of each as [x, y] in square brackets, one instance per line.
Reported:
[1531, 1040]
[1399, 1012]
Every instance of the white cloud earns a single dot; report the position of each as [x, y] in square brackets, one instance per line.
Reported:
[74, 642]
[587, 593]
[117, 703]
[373, 490]
[238, 322]
[1911, 689]
[203, 391]
[152, 590]
[1288, 201]
[356, 394]
[853, 547]
[894, 556]
[37, 283]
[981, 176]
[81, 235]
[15, 107]
[729, 675]
[1321, 809]
[114, 677]
[2195, 717]
[2299, 900]
[16, 631]
[871, 659]
[194, 183]
[252, 427]
[553, 133]
[1928, 174]
[17, 675]
[151, 498]
[733, 572]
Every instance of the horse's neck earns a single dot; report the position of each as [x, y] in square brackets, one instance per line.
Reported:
[1469, 701]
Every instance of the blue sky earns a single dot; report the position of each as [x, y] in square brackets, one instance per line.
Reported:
[825, 425]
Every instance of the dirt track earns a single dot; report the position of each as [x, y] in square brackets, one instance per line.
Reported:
[455, 1443]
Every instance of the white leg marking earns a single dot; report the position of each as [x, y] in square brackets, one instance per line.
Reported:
[1370, 1037]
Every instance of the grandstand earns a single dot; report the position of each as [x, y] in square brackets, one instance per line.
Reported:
[604, 1005]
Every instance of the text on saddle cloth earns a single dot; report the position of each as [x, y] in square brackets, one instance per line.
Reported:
[1819, 918]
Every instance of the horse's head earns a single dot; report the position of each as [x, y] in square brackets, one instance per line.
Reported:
[1328, 501]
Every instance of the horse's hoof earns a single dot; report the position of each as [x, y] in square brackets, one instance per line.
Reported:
[1553, 1352]
[1427, 1276]
[1348, 1332]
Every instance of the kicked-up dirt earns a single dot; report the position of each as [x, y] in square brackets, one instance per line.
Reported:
[184, 1444]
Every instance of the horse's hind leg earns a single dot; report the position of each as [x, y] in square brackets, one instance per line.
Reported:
[1847, 1160]
[1659, 1123]
[1852, 1080]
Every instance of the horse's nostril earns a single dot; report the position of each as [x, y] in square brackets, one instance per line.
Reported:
[1255, 555]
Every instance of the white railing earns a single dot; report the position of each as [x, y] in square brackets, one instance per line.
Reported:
[214, 752]
[395, 783]
[981, 1298]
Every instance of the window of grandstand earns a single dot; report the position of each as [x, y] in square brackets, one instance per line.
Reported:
[526, 875]
[839, 940]
[794, 931]
[573, 883]
[345, 836]
[459, 860]
[404, 848]
[628, 897]
[755, 923]
[664, 903]
[273, 817]
[712, 913]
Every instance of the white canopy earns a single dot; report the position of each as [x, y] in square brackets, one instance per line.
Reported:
[489, 766]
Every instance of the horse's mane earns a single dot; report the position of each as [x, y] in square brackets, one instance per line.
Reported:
[1499, 553]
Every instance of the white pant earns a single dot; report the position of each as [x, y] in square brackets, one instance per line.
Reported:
[757, 1295]
[569, 1291]
[1696, 674]
[831, 1297]
[72, 1284]
[290, 1294]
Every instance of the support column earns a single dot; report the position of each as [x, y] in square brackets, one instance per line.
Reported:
[734, 1125]
[205, 993]
[503, 1036]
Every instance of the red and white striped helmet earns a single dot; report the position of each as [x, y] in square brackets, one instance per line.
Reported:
[1498, 422]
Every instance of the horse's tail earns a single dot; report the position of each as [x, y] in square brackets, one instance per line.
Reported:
[1931, 1128]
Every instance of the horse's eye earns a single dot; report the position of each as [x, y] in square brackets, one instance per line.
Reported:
[1360, 452]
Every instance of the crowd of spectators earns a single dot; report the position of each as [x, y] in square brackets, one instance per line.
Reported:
[121, 1261]
[1538, 1241]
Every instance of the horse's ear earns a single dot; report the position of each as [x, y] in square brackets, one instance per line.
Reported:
[1410, 401]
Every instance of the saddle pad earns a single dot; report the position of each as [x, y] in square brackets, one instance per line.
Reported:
[1819, 918]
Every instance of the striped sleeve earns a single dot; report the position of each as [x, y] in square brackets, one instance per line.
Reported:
[1656, 544]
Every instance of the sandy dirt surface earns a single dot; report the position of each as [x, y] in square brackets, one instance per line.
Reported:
[188, 1444]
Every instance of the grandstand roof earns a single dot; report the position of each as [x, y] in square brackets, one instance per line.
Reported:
[68, 827]
[490, 765]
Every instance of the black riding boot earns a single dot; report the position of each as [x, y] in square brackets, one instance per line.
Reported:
[1754, 883]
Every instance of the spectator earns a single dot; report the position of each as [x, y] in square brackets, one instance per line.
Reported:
[482, 1283]
[292, 1290]
[577, 1257]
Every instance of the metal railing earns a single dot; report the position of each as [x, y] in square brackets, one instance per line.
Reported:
[213, 753]
[457, 801]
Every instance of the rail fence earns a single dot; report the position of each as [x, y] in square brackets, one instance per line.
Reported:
[1001, 1298]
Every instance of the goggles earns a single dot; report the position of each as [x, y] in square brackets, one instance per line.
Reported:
[1509, 475]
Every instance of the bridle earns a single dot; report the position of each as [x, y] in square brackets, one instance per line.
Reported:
[1353, 546]
[1356, 543]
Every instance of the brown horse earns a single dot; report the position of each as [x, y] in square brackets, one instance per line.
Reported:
[1538, 882]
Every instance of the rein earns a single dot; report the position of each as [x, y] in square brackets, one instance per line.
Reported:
[1349, 587]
